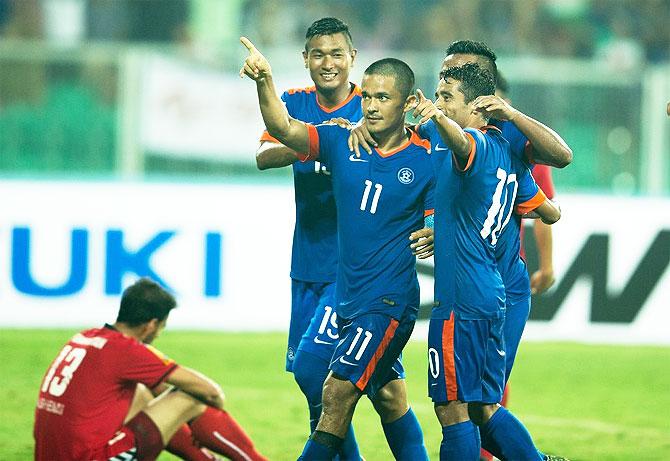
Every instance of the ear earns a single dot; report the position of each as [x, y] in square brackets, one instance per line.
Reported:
[410, 103]
[354, 53]
[304, 58]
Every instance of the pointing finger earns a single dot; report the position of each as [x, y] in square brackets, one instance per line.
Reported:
[419, 94]
[247, 44]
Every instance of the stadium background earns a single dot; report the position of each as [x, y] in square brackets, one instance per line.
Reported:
[126, 148]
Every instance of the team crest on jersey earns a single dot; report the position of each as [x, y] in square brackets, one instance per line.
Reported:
[405, 175]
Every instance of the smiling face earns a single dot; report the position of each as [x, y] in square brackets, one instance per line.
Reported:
[383, 104]
[451, 101]
[329, 59]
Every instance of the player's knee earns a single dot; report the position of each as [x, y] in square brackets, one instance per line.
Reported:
[310, 384]
[339, 393]
[480, 413]
[451, 413]
[390, 402]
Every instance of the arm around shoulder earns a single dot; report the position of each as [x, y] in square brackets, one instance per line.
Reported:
[274, 155]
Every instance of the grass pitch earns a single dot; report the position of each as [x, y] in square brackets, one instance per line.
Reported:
[584, 402]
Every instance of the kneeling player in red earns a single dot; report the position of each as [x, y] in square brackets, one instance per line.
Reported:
[90, 405]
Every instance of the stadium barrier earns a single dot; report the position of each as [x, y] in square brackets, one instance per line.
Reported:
[224, 249]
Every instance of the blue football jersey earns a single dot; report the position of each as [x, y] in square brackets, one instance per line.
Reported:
[519, 144]
[314, 256]
[473, 207]
[511, 266]
[381, 199]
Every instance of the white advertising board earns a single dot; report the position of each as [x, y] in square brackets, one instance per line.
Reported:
[67, 250]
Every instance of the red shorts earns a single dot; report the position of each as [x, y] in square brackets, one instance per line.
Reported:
[139, 440]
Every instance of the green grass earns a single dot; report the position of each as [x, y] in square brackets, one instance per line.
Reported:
[581, 401]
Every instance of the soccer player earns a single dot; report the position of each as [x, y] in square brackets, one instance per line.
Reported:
[84, 408]
[329, 55]
[476, 192]
[380, 200]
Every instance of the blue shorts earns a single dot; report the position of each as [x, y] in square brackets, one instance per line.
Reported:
[308, 299]
[369, 353]
[466, 360]
[321, 336]
[516, 316]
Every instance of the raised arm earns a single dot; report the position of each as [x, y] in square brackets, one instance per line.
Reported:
[287, 130]
[273, 155]
[451, 133]
[548, 147]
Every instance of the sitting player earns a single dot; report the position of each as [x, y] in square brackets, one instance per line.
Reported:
[84, 409]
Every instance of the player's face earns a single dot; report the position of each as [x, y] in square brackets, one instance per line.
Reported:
[329, 60]
[457, 60]
[155, 330]
[383, 105]
[450, 100]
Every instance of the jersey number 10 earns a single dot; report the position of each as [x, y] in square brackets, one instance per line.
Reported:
[501, 205]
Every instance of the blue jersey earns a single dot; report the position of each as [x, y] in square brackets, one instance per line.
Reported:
[519, 144]
[511, 267]
[380, 199]
[473, 206]
[314, 257]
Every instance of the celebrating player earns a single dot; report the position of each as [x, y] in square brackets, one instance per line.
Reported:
[477, 187]
[84, 410]
[329, 55]
[379, 200]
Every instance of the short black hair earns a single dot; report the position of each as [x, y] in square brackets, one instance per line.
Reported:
[144, 301]
[392, 67]
[328, 26]
[475, 80]
[480, 49]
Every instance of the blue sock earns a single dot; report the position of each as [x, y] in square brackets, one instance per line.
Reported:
[315, 451]
[310, 372]
[460, 442]
[507, 438]
[405, 438]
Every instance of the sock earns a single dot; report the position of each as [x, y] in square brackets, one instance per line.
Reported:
[310, 372]
[405, 438]
[218, 431]
[485, 454]
[321, 446]
[460, 442]
[182, 444]
[507, 438]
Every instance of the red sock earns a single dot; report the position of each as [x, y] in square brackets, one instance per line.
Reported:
[218, 431]
[183, 445]
[485, 455]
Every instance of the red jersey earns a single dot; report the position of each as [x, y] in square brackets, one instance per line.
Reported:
[542, 175]
[86, 392]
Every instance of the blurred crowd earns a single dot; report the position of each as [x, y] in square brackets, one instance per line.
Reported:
[635, 31]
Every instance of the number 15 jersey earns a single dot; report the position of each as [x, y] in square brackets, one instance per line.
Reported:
[380, 200]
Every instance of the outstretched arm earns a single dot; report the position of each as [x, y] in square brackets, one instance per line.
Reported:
[287, 130]
[450, 132]
[548, 147]
[197, 385]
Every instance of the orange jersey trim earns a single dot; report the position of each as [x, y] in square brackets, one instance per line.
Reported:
[370, 369]
[313, 151]
[428, 212]
[265, 137]
[530, 205]
[356, 91]
[449, 359]
[471, 155]
[413, 139]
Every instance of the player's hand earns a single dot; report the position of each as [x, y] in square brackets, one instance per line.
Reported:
[360, 137]
[495, 107]
[341, 122]
[256, 67]
[425, 108]
[541, 281]
[423, 246]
